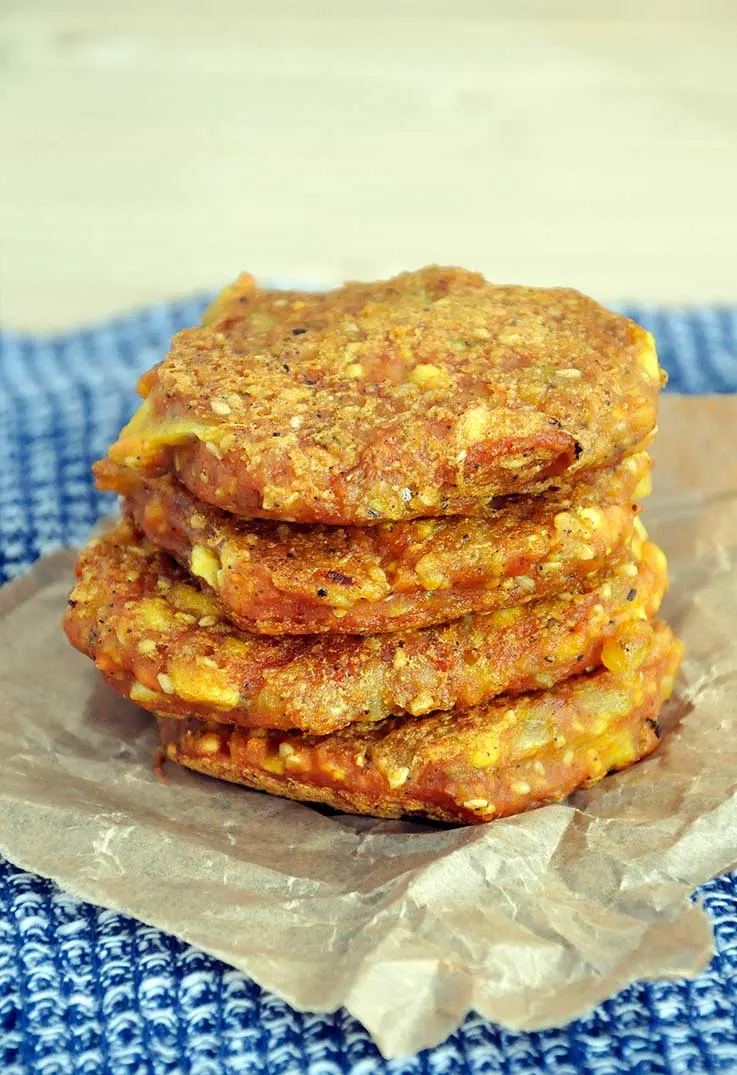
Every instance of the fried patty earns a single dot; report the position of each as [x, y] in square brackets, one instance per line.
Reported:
[165, 644]
[423, 395]
[289, 579]
[470, 765]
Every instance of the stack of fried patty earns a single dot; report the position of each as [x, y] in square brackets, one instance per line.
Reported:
[380, 547]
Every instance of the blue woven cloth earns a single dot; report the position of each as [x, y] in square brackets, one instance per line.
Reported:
[85, 990]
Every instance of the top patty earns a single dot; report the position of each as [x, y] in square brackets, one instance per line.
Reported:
[423, 395]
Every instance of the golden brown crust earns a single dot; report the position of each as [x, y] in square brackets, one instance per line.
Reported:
[288, 579]
[163, 643]
[470, 765]
[418, 396]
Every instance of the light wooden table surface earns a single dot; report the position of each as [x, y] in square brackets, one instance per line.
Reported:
[150, 148]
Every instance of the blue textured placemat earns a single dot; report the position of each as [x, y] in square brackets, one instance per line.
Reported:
[87, 990]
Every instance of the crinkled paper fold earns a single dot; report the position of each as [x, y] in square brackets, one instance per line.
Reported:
[530, 920]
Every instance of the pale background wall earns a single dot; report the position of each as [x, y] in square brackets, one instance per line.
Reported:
[153, 147]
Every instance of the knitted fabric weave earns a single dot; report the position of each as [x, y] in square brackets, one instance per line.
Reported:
[84, 990]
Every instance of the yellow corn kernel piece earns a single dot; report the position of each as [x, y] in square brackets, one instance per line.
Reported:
[421, 703]
[400, 659]
[627, 648]
[506, 617]
[640, 530]
[192, 601]
[524, 582]
[205, 564]
[480, 806]
[428, 497]
[156, 615]
[666, 687]
[395, 776]
[648, 359]
[474, 424]
[141, 694]
[334, 770]
[194, 682]
[427, 375]
[485, 754]
[594, 516]
[655, 558]
[165, 683]
[618, 750]
[245, 285]
[644, 487]
[208, 744]
[430, 573]
[425, 528]
[146, 436]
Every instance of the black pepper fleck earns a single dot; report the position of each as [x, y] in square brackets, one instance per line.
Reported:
[322, 592]
[298, 331]
[632, 595]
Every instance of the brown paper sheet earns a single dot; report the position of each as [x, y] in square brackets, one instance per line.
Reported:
[530, 920]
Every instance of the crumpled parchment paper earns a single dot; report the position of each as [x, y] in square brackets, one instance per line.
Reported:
[530, 920]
